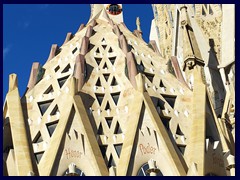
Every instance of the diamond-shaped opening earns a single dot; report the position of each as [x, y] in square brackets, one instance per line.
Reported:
[118, 129]
[114, 82]
[106, 76]
[43, 106]
[56, 68]
[54, 111]
[107, 106]
[118, 148]
[66, 69]
[74, 50]
[49, 90]
[181, 149]
[110, 50]
[51, 127]
[100, 130]
[38, 138]
[98, 83]
[109, 121]
[98, 60]
[115, 97]
[104, 46]
[112, 59]
[99, 98]
[149, 76]
[170, 99]
[62, 80]
[103, 149]
[179, 131]
[111, 162]
[38, 156]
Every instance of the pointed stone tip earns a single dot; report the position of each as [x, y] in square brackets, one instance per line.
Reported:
[13, 82]
[72, 86]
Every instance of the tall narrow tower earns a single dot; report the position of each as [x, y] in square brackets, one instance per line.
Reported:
[105, 104]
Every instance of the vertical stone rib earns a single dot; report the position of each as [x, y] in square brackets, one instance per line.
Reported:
[154, 46]
[33, 76]
[79, 71]
[68, 37]
[132, 70]
[123, 44]
[84, 46]
[89, 31]
[116, 30]
[80, 28]
[21, 145]
[52, 52]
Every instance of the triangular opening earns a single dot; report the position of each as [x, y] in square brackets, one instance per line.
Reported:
[181, 149]
[61, 81]
[98, 60]
[105, 66]
[54, 111]
[99, 98]
[112, 59]
[98, 83]
[90, 47]
[165, 122]
[203, 12]
[104, 46]
[140, 67]
[43, 106]
[109, 121]
[49, 90]
[66, 69]
[38, 138]
[161, 84]
[97, 50]
[111, 162]
[100, 130]
[115, 97]
[106, 76]
[103, 41]
[107, 106]
[179, 132]
[160, 104]
[110, 50]
[103, 149]
[118, 148]
[170, 99]
[210, 10]
[51, 127]
[114, 82]
[118, 129]
[149, 76]
[38, 156]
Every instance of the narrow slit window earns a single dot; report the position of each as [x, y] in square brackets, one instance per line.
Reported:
[66, 69]
[38, 138]
[74, 50]
[49, 90]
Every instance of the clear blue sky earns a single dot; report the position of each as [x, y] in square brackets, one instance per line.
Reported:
[30, 30]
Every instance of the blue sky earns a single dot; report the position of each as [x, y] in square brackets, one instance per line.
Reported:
[30, 30]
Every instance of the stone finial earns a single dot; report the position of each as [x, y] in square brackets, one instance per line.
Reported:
[138, 24]
[13, 82]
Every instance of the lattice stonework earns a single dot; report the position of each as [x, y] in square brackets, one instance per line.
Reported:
[105, 103]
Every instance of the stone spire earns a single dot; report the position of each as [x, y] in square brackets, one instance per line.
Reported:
[191, 52]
